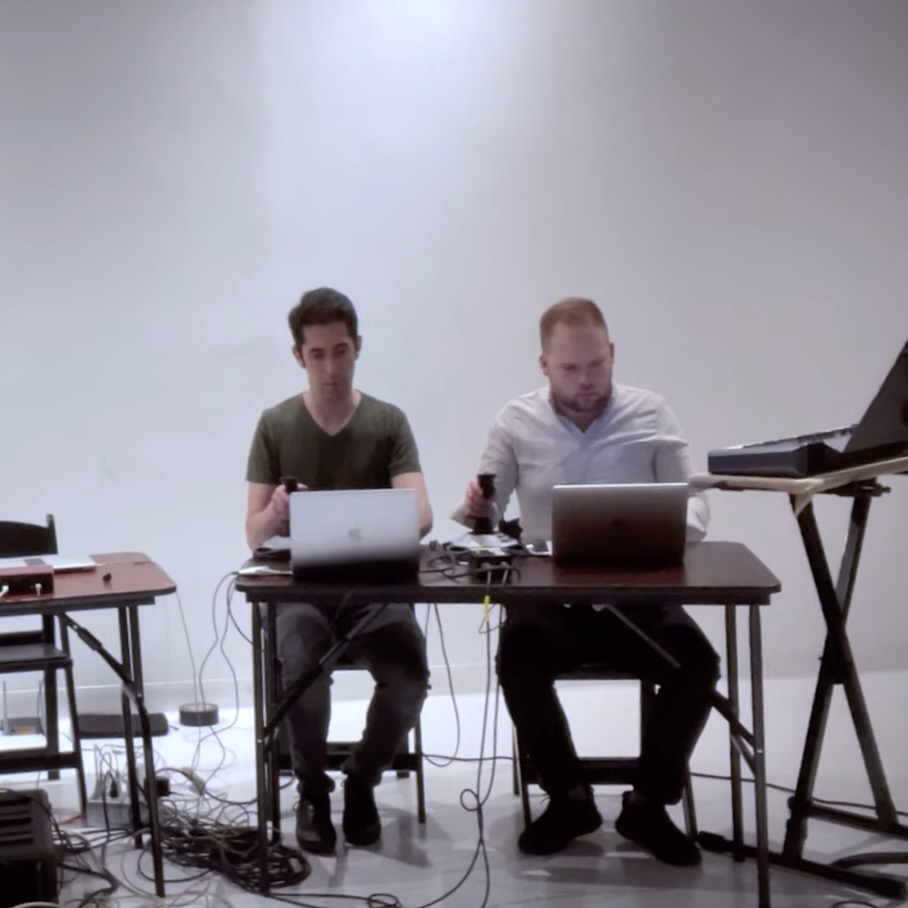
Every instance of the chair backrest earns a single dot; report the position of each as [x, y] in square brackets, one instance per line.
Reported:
[20, 539]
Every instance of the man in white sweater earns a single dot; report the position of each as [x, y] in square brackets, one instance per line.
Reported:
[585, 428]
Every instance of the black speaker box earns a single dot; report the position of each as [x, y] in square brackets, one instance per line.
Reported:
[28, 860]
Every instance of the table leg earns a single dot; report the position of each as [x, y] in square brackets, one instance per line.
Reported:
[734, 756]
[74, 719]
[51, 709]
[261, 770]
[759, 755]
[151, 785]
[133, 783]
[129, 671]
[272, 688]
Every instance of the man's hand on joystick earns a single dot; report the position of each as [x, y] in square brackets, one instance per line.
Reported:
[280, 498]
[480, 498]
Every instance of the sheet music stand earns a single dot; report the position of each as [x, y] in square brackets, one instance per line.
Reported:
[837, 667]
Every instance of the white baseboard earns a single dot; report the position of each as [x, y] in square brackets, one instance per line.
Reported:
[168, 696]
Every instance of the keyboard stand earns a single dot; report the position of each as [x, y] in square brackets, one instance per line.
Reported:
[837, 668]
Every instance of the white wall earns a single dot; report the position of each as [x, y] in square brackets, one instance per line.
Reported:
[726, 178]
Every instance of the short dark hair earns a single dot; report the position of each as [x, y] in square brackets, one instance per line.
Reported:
[322, 306]
[575, 310]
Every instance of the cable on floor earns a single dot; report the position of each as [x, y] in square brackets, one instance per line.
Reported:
[852, 805]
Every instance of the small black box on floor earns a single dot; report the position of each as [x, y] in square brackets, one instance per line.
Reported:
[28, 860]
[110, 725]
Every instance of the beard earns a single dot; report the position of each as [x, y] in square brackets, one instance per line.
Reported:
[592, 402]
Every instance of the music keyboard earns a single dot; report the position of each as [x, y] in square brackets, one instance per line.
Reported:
[799, 456]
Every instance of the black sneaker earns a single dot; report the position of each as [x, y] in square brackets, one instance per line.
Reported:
[648, 824]
[362, 825]
[564, 819]
[314, 829]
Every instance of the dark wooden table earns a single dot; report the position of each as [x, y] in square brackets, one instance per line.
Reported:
[724, 574]
[713, 573]
[132, 580]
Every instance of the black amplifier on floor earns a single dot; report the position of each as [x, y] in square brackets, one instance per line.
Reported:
[28, 860]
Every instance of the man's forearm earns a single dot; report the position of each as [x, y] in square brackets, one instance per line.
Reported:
[425, 521]
[261, 526]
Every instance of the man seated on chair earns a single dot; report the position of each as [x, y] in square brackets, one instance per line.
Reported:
[585, 428]
[333, 436]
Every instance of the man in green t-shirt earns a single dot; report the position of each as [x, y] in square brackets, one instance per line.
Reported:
[333, 436]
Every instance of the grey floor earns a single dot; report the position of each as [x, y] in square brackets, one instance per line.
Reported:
[420, 864]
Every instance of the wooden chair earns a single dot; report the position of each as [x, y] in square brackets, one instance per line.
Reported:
[37, 651]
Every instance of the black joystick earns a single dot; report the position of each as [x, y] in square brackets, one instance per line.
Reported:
[483, 525]
[290, 483]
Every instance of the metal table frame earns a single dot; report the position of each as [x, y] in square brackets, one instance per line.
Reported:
[837, 668]
[113, 585]
[129, 670]
[745, 744]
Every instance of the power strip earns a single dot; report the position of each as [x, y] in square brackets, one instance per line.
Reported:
[113, 812]
[112, 809]
[31, 580]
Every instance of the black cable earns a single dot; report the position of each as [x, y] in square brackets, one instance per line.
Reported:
[479, 799]
[218, 643]
[76, 845]
[236, 624]
[454, 565]
[446, 564]
[98, 896]
[195, 675]
[206, 838]
[216, 837]
[825, 801]
[377, 900]
[455, 759]
[220, 639]
[846, 903]
[226, 845]
[230, 850]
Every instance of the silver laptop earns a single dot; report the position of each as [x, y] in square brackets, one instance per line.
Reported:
[628, 524]
[374, 530]
[61, 564]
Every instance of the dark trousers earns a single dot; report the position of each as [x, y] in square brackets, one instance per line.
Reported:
[393, 649]
[538, 643]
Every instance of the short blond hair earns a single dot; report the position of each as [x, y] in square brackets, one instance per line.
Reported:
[573, 310]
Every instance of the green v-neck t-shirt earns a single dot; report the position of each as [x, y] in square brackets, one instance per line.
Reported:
[376, 445]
